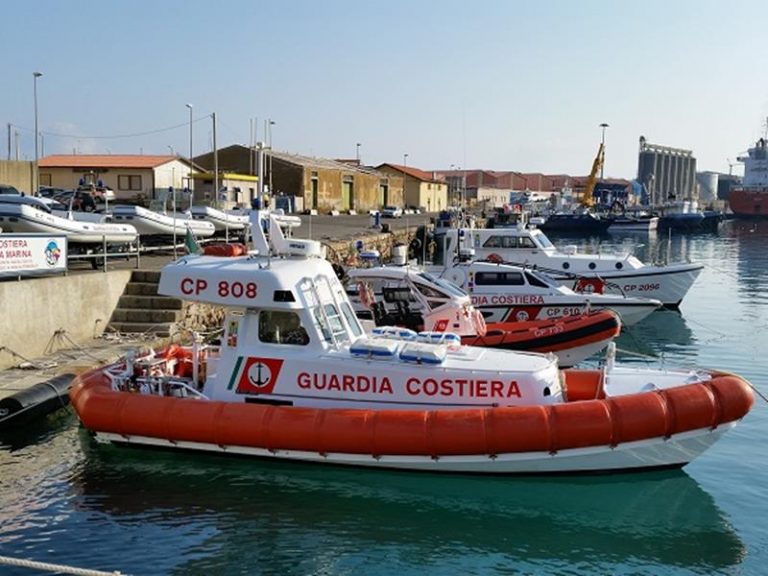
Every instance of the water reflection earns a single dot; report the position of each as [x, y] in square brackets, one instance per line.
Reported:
[665, 335]
[31, 433]
[227, 513]
[751, 237]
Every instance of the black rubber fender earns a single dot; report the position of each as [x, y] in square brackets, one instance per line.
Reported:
[37, 400]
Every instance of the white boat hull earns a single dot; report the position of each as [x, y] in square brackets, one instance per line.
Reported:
[677, 450]
[150, 223]
[222, 221]
[500, 312]
[634, 225]
[668, 284]
[23, 219]
[528, 296]
[572, 356]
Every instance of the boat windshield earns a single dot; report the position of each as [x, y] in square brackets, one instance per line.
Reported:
[450, 289]
[538, 279]
[330, 323]
[349, 316]
[541, 239]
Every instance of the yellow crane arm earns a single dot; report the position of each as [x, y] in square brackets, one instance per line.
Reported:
[586, 198]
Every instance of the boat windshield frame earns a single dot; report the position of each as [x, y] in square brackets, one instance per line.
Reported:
[541, 240]
[452, 290]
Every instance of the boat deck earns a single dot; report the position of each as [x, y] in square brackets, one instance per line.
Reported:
[75, 360]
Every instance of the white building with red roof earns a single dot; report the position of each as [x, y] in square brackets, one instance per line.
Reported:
[131, 176]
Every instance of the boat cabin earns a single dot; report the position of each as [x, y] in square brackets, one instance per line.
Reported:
[410, 297]
[526, 246]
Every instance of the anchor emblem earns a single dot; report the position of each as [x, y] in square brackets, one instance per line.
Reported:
[257, 375]
[259, 380]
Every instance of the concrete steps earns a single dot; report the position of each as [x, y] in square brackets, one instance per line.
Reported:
[141, 310]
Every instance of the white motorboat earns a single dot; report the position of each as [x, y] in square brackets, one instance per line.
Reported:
[151, 223]
[627, 223]
[28, 214]
[507, 293]
[522, 245]
[296, 378]
[223, 221]
[66, 211]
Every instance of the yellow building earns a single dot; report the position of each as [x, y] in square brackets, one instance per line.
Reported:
[422, 189]
[235, 190]
[312, 183]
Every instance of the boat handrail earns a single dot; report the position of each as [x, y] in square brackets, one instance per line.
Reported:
[155, 385]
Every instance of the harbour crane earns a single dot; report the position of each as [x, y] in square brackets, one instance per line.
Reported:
[586, 199]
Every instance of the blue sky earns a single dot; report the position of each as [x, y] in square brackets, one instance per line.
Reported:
[502, 85]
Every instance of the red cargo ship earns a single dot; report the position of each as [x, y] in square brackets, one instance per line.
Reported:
[751, 198]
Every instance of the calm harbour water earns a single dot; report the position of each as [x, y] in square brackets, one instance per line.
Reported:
[64, 499]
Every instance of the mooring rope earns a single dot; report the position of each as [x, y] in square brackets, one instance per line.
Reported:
[56, 568]
[752, 386]
[31, 363]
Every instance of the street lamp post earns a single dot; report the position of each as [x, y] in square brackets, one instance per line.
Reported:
[602, 145]
[357, 153]
[36, 183]
[271, 192]
[189, 180]
[405, 176]
[215, 164]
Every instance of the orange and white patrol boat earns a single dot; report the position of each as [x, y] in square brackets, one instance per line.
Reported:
[409, 297]
[295, 377]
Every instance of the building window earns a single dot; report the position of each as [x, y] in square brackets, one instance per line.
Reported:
[125, 182]
[45, 180]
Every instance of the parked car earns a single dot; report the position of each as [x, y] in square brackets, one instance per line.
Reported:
[8, 189]
[80, 200]
[99, 193]
[51, 191]
[391, 212]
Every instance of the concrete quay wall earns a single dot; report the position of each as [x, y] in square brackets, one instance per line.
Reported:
[17, 173]
[33, 309]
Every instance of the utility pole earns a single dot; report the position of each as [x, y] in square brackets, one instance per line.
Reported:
[215, 163]
[189, 177]
[9, 140]
[602, 144]
[36, 184]
[250, 146]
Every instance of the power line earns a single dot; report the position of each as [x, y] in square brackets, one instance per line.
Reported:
[116, 136]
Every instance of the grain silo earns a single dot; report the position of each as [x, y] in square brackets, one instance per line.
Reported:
[707, 182]
[666, 173]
